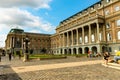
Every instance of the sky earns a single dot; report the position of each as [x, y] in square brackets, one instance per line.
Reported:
[37, 16]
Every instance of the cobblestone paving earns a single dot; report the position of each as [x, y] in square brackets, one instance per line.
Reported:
[91, 72]
[86, 72]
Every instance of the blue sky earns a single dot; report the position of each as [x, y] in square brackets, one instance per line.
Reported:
[38, 16]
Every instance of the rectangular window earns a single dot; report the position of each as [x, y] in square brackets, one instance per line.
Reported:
[118, 22]
[107, 0]
[107, 25]
[100, 36]
[117, 8]
[93, 38]
[107, 12]
[86, 39]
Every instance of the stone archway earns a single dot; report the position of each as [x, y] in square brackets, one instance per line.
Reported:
[69, 51]
[65, 51]
[80, 50]
[74, 50]
[94, 49]
[60, 51]
[104, 48]
[86, 49]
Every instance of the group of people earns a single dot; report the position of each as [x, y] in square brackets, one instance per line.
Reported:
[106, 56]
[93, 54]
[115, 58]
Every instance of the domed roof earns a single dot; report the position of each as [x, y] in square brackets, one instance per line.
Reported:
[16, 30]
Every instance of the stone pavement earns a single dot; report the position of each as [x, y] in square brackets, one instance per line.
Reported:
[61, 69]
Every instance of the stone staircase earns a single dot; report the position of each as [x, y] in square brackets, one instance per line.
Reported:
[114, 65]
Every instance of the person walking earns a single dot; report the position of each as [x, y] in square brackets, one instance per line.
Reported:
[10, 55]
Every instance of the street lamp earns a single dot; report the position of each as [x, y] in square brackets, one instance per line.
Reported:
[26, 54]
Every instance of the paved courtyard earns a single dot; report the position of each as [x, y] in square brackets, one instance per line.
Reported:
[71, 68]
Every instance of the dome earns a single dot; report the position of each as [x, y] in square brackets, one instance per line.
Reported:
[16, 30]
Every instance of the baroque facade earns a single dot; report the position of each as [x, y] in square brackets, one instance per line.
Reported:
[38, 42]
[96, 28]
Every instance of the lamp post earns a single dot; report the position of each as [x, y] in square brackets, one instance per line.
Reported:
[26, 54]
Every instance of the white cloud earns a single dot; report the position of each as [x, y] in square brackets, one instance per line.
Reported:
[25, 3]
[13, 13]
[23, 18]
[35, 31]
[2, 39]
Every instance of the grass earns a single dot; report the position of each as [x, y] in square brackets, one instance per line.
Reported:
[45, 56]
[50, 56]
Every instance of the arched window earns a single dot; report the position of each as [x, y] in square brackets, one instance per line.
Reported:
[118, 35]
[86, 39]
[93, 38]
[109, 37]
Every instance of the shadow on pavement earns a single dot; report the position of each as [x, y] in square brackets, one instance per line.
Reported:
[6, 73]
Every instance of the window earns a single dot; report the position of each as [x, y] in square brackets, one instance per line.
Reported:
[100, 36]
[107, 0]
[86, 39]
[107, 12]
[109, 49]
[80, 39]
[99, 4]
[118, 22]
[118, 35]
[117, 8]
[107, 25]
[92, 8]
[108, 37]
[93, 38]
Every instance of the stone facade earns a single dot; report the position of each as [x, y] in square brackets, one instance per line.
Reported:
[39, 43]
[96, 28]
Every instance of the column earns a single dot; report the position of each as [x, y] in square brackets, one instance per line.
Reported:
[63, 51]
[11, 42]
[71, 50]
[77, 50]
[67, 39]
[98, 32]
[77, 36]
[72, 37]
[83, 35]
[89, 34]
[63, 39]
[104, 38]
[83, 51]
[113, 32]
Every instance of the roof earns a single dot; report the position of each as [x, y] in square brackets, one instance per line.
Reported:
[80, 11]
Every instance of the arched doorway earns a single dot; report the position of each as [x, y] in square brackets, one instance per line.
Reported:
[69, 51]
[65, 51]
[94, 50]
[80, 50]
[74, 50]
[86, 50]
[104, 48]
[60, 51]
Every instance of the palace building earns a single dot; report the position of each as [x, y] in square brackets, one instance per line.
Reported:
[39, 43]
[96, 29]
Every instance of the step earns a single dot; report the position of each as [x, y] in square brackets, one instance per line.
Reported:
[113, 65]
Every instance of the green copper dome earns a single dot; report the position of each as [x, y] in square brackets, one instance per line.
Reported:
[15, 30]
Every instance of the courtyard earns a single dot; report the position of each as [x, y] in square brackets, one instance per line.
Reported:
[71, 68]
